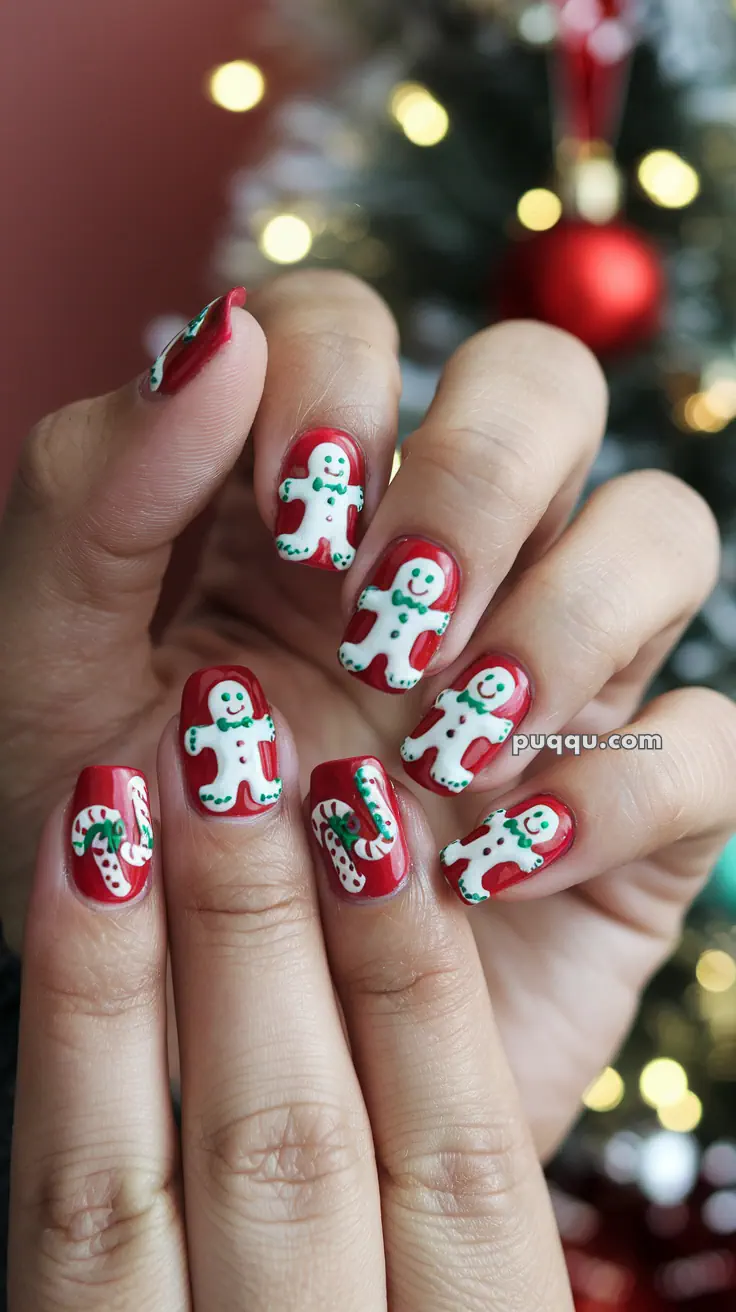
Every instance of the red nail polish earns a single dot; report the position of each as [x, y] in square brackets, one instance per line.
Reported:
[468, 725]
[321, 495]
[193, 347]
[357, 823]
[111, 833]
[509, 846]
[228, 743]
[401, 615]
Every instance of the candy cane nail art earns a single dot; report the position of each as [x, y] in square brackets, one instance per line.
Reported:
[356, 822]
[228, 743]
[111, 833]
[468, 725]
[320, 499]
[194, 346]
[510, 845]
[401, 615]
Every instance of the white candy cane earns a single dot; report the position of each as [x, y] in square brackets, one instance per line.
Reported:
[112, 827]
[328, 833]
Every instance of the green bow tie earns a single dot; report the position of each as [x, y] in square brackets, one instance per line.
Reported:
[513, 825]
[472, 703]
[112, 831]
[399, 599]
[341, 825]
[245, 723]
[340, 488]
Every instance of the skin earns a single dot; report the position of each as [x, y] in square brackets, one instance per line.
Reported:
[106, 487]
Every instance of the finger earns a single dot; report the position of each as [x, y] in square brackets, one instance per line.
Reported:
[326, 429]
[95, 1216]
[496, 463]
[103, 488]
[466, 1214]
[279, 1172]
[664, 786]
[589, 623]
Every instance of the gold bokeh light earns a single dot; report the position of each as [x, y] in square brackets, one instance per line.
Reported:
[286, 239]
[539, 209]
[682, 1116]
[663, 1082]
[237, 86]
[419, 114]
[606, 1092]
[716, 971]
[668, 180]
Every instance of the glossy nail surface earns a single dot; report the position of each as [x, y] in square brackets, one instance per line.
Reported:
[356, 822]
[321, 495]
[509, 846]
[401, 615]
[194, 346]
[111, 833]
[468, 725]
[228, 743]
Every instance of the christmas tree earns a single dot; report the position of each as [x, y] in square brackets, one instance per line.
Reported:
[458, 154]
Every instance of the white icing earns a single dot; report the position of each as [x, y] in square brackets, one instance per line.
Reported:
[397, 626]
[107, 860]
[327, 497]
[496, 844]
[352, 880]
[462, 724]
[156, 375]
[235, 747]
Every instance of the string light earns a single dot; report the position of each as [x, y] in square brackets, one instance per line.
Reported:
[663, 1082]
[539, 209]
[420, 116]
[237, 86]
[668, 179]
[696, 414]
[716, 971]
[605, 1093]
[682, 1116]
[286, 239]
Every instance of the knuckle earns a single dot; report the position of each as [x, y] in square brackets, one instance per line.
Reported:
[429, 988]
[85, 1214]
[492, 466]
[117, 982]
[53, 466]
[271, 906]
[476, 1170]
[677, 521]
[293, 1161]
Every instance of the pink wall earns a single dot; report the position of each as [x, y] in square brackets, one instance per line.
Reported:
[112, 168]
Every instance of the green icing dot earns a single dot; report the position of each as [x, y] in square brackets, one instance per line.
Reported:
[396, 633]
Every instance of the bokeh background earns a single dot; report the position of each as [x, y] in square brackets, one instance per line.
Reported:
[574, 160]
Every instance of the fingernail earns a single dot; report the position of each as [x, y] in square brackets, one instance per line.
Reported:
[193, 347]
[228, 743]
[468, 725]
[401, 615]
[508, 846]
[321, 495]
[357, 823]
[111, 833]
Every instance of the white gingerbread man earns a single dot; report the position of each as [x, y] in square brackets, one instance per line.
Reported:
[403, 611]
[466, 716]
[502, 838]
[327, 495]
[234, 736]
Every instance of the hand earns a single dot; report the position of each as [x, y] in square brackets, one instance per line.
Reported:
[314, 1177]
[492, 476]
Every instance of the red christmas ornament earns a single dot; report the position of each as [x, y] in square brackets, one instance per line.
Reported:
[604, 285]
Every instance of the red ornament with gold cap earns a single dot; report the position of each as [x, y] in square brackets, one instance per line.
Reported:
[601, 281]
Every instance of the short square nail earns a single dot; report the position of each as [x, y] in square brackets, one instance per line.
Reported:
[357, 824]
[227, 740]
[321, 495]
[111, 833]
[468, 724]
[194, 346]
[508, 847]
[401, 615]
